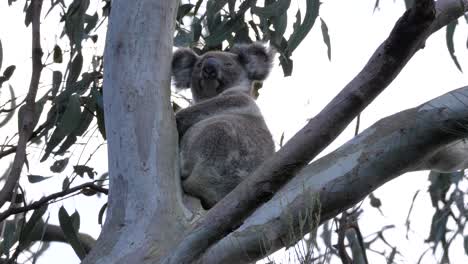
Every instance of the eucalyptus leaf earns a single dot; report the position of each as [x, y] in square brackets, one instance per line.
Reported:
[59, 165]
[66, 223]
[301, 31]
[37, 178]
[26, 233]
[326, 37]
[183, 11]
[58, 55]
[438, 227]
[91, 22]
[450, 31]
[10, 236]
[8, 72]
[224, 31]
[275, 9]
[11, 113]
[67, 124]
[75, 68]
[56, 82]
[82, 169]
[28, 16]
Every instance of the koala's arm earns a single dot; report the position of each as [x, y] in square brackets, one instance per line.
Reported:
[225, 103]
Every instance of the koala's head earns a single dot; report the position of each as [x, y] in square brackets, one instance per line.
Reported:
[216, 71]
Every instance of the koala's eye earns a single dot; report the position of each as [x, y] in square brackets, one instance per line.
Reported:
[198, 65]
[228, 64]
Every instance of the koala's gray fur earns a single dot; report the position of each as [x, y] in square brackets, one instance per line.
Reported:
[223, 136]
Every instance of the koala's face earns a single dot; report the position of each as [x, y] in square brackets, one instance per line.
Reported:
[216, 71]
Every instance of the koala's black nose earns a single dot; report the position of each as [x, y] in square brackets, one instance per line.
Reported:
[210, 68]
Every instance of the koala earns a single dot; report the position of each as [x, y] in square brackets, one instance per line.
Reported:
[223, 136]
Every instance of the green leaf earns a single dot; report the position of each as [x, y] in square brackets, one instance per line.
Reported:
[36, 218]
[59, 165]
[70, 118]
[58, 55]
[224, 31]
[438, 227]
[449, 39]
[99, 112]
[91, 22]
[440, 184]
[465, 244]
[326, 38]
[197, 6]
[275, 9]
[28, 17]
[75, 217]
[101, 213]
[214, 7]
[286, 64]
[10, 236]
[82, 169]
[65, 184]
[374, 201]
[9, 72]
[183, 10]
[67, 124]
[74, 22]
[183, 39]
[37, 178]
[75, 68]
[279, 24]
[196, 28]
[312, 9]
[298, 20]
[56, 82]
[10, 114]
[68, 228]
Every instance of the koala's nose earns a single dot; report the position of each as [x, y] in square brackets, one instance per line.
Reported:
[210, 68]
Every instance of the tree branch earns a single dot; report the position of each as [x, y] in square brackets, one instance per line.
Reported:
[26, 115]
[54, 233]
[46, 199]
[391, 147]
[406, 38]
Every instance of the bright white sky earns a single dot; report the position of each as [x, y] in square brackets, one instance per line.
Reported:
[355, 32]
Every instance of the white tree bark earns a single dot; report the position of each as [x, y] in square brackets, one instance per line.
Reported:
[145, 214]
[428, 137]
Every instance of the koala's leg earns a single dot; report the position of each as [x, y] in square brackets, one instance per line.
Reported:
[205, 183]
[211, 161]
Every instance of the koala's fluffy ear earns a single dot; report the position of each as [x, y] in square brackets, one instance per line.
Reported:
[256, 58]
[183, 61]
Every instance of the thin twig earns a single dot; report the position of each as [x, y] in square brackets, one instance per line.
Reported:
[46, 199]
[27, 117]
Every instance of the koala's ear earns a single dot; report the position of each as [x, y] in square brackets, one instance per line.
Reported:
[256, 58]
[183, 61]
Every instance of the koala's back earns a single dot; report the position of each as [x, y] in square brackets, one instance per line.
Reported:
[217, 153]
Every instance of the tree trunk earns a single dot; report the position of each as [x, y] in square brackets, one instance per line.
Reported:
[145, 215]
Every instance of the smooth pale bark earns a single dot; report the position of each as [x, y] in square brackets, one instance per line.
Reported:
[145, 214]
[427, 137]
